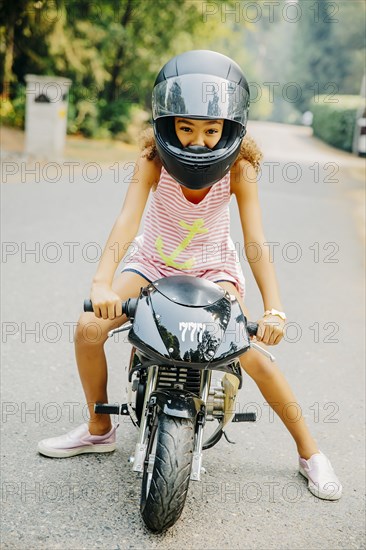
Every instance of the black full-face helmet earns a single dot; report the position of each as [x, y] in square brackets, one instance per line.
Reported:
[200, 84]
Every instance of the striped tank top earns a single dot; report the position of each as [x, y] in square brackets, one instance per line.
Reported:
[180, 237]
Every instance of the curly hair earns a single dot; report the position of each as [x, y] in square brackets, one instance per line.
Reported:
[249, 150]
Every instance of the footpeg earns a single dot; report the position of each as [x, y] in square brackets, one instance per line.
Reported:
[245, 417]
[106, 408]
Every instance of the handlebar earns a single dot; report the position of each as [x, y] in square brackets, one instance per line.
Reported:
[129, 308]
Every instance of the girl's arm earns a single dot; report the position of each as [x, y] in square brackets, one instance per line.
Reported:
[244, 186]
[105, 301]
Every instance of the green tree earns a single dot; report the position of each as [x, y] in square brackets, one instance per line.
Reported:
[324, 48]
[111, 50]
[23, 31]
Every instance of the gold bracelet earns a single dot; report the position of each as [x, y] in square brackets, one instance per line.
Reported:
[280, 314]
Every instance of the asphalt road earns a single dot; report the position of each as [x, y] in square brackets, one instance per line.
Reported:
[251, 496]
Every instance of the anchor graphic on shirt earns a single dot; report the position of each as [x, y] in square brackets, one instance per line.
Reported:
[193, 230]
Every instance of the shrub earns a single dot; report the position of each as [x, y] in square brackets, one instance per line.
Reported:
[114, 115]
[12, 112]
[98, 119]
[335, 122]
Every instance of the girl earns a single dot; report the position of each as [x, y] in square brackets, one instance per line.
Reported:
[196, 160]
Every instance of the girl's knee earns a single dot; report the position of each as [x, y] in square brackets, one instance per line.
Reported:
[257, 366]
[90, 330]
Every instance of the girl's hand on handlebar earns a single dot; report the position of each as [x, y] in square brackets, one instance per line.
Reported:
[270, 330]
[106, 303]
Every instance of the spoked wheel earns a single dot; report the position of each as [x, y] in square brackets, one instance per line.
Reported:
[167, 471]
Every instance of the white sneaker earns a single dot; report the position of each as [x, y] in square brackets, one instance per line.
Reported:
[78, 441]
[322, 480]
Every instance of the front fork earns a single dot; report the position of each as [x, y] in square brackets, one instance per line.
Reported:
[197, 451]
[141, 445]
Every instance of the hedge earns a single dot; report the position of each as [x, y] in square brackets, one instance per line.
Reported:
[335, 118]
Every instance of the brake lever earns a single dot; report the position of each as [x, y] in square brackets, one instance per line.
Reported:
[263, 351]
[120, 329]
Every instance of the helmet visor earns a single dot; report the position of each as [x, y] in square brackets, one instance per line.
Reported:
[200, 96]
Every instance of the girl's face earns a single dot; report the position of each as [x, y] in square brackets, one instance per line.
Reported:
[198, 132]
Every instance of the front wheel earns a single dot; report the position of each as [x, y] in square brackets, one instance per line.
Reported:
[167, 471]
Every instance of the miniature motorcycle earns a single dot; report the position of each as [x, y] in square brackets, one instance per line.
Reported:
[181, 328]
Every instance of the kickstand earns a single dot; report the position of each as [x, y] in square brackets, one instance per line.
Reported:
[227, 439]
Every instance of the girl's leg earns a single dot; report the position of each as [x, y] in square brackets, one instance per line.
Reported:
[276, 390]
[90, 335]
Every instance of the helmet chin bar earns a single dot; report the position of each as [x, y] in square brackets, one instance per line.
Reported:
[197, 149]
[197, 170]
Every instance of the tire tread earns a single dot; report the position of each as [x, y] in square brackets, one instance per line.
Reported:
[171, 473]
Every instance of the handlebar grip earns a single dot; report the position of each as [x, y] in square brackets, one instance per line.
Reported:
[128, 307]
[88, 306]
[252, 328]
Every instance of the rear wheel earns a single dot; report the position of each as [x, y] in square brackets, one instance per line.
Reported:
[167, 471]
